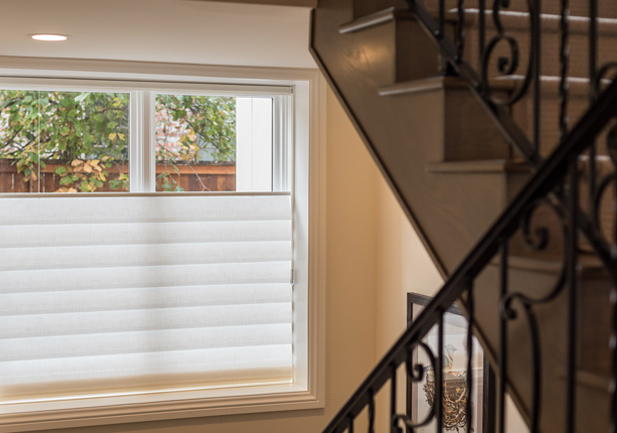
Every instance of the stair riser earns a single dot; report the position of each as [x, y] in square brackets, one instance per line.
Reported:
[579, 8]
[382, 47]
[606, 8]
[578, 65]
[523, 114]
[595, 315]
[467, 135]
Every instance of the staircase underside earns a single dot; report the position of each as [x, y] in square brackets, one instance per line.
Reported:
[453, 173]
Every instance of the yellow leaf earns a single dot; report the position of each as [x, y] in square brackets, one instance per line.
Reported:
[95, 162]
[121, 136]
[113, 136]
[76, 162]
[87, 168]
[72, 190]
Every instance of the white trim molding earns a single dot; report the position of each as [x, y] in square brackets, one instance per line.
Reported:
[308, 191]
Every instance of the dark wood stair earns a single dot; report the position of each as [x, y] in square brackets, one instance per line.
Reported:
[453, 173]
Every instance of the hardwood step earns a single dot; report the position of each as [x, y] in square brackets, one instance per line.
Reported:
[523, 111]
[516, 24]
[468, 132]
[392, 34]
[536, 278]
[580, 8]
[606, 8]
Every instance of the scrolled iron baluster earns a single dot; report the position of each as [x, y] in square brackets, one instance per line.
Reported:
[439, 388]
[564, 57]
[394, 427]
[593, 62]
[468, 405]
[537, 239]
[572, 266]
[613, 337]
[460, 31]
[601, 76]
[481, 31]
[613, 348]
[415, 373]
[509, 313]
[503, 338]
[371, 412]
[507, 66]
[605, 182]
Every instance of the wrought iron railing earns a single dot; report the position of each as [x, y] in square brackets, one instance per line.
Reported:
[557, 184]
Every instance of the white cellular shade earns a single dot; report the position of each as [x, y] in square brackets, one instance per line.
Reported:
[134, 293]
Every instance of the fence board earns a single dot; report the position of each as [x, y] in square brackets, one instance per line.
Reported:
[213, 177]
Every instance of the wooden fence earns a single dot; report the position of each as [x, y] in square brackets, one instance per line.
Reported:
[199, 177]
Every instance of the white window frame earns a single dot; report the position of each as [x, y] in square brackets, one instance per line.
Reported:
[307, 112]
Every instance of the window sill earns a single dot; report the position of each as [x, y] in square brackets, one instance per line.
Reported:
[152, 407]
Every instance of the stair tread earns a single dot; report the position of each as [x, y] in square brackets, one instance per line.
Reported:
[374, 19]
[479, 166]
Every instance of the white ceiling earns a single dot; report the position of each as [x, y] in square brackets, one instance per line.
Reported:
[178, 31]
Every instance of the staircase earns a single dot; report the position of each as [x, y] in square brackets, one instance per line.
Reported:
[495, 126]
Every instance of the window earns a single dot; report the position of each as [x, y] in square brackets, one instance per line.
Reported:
[55, 140]
[159, 260]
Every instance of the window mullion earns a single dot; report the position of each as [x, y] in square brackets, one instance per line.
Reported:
[281, 137]
[147, 144]
[136, 134]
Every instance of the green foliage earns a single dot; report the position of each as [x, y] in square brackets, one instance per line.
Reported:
[88, 132]
[79, 129]
[208, 126]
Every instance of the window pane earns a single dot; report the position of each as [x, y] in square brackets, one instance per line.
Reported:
[54, 141]
[195, 143]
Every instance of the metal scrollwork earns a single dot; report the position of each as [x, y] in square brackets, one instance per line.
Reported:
[603, 186]
[416, 373]
[537, 239]
[508, 65]
[601, 77]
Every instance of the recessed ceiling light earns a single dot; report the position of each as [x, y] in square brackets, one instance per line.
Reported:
[49, 37]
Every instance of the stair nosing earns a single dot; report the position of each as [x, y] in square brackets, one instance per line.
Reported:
[374, 19]
[415, 86]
